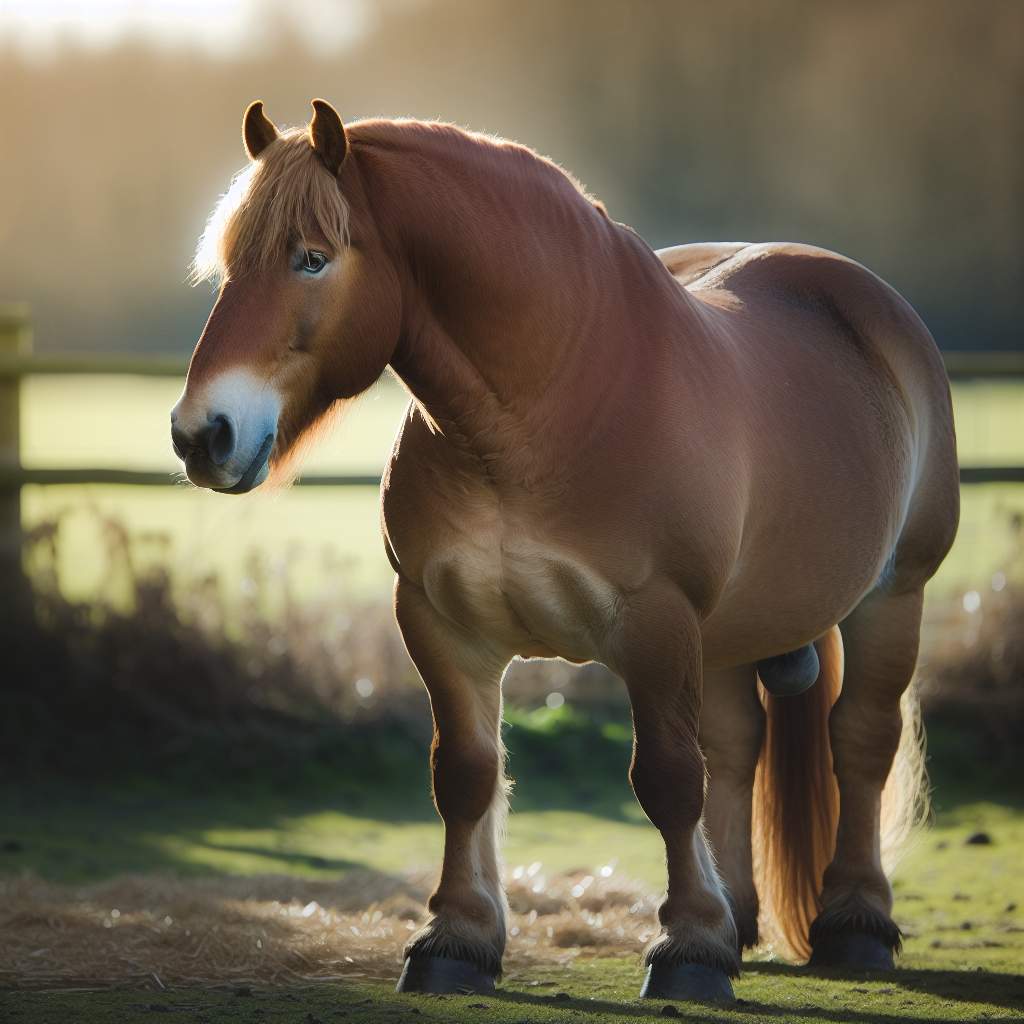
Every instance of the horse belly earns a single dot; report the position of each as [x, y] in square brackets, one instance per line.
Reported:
[787, 594]
[522, 597]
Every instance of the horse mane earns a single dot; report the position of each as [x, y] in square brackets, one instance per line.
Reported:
[287, 196]
[275, 203]
[499, 153]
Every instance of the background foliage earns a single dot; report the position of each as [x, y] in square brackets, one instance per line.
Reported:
[887, 129]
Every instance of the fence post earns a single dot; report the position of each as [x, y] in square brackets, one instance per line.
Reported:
[15, 340]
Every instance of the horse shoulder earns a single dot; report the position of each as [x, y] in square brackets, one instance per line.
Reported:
[429, 498]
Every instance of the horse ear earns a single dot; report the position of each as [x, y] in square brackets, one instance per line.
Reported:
[328, 136]
[258, 130]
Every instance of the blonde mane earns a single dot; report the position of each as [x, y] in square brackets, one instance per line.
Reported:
[275, 203]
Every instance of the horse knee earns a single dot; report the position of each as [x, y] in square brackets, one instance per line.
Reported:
[465, 773]
[668, 780]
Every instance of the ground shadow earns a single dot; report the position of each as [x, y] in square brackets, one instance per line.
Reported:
[976, 986]
[77, 827]
[997, 990]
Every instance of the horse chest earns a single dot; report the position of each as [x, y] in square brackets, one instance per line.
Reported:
[522, 595]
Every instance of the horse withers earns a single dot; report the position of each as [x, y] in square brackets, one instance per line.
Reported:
[700, 467]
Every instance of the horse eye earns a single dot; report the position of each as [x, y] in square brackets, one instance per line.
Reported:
[311, 261]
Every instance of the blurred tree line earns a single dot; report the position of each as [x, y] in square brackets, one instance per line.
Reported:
[888, 129]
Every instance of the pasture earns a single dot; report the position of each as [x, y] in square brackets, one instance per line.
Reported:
[290, 872]
[248, 900]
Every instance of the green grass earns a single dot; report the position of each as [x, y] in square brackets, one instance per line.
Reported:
[963, 957]
[961, 905]
[596, 991]
[962, 961]
[347, 798]
[207, 532]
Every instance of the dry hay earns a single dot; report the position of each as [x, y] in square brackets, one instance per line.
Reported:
[156, 931]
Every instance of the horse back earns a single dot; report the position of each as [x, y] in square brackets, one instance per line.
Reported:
[687, 263]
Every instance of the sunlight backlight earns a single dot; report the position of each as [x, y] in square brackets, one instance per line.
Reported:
[225, 28]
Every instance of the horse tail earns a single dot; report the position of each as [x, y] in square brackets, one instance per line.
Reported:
[796, 804]
[905, 803]
[796, 800]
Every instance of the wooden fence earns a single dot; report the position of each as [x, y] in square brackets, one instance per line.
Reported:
[17, 361]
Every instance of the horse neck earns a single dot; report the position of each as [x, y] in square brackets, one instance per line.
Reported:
[524, 308]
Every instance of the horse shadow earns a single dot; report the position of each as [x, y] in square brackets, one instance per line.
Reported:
[993, 990]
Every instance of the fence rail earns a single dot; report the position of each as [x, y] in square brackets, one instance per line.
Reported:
[18, 361]
[15, 365]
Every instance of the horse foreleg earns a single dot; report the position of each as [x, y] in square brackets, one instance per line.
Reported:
[658, 654]
[880, 641]
[731, 732]
[461, 946]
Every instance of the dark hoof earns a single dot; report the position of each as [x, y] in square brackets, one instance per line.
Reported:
[789, 675]
[442, 976]
[690, 982]
[854, 951]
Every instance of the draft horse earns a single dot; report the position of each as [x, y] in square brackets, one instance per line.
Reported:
[725, 471]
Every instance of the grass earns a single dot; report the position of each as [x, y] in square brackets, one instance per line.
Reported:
[349, 798]
[591, 990]
[963, 957]
[298, 831]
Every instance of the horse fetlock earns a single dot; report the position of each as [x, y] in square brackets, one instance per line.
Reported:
[856, 892]
[457, 938]
[696, 944]
[473, 906]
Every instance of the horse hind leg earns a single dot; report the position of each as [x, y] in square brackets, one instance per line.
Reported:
[880, 640]
[732, 725]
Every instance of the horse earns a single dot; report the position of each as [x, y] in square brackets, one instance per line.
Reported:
[725, 471]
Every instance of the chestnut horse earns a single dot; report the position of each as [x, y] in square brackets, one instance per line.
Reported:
[701, 467]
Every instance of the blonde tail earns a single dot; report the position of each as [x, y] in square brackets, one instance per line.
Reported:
[796, 801]
[905, 803]
[796, 805]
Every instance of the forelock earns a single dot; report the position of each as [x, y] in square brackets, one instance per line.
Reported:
[274, 203]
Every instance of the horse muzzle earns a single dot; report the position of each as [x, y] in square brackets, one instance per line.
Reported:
[226, 445]
[214, 460]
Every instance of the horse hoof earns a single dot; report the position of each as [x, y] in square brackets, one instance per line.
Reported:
[689, 982]
[856, 951]
[443, 976]
[789, 675]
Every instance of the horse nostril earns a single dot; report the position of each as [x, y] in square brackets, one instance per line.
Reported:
[220, 441]
[179, 442]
